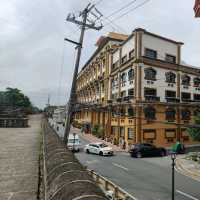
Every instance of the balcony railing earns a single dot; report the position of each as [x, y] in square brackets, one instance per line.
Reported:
[172, 99]
[151, 98]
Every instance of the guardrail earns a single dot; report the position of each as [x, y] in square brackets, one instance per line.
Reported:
[111, 190]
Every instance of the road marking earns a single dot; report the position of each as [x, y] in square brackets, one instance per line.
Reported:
[120, 166]
[91, 161]
[186, 195]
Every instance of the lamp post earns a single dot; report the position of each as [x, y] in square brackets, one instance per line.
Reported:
[74, 134]
[173, 157]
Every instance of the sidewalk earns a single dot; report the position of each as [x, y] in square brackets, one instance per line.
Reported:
[188, 168]
[19, 154]
[91, 138]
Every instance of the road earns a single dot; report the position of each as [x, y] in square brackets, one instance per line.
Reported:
[145, 179]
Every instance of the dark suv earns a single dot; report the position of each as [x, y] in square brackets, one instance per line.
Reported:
[146, 150]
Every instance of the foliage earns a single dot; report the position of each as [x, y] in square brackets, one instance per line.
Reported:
[13, 97]
[195, 132]
[98, 130]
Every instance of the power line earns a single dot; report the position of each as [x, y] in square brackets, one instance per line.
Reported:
[130, 10]
[122, 8]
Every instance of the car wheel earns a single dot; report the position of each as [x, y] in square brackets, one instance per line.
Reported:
[87, 151]
[101, 153]
[162, 153]
[139, 155]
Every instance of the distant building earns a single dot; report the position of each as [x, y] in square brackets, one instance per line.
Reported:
[59, 114]
[197, 8]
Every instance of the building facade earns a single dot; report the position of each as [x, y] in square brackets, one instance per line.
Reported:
[140, 91]
[197, 8]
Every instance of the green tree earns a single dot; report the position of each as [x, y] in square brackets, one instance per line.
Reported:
[195, 131]
[16, 98]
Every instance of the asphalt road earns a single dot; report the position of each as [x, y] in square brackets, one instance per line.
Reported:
[145, 179]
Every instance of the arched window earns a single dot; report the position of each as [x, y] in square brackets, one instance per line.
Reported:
[131, 112]
[185, 114]
[123, 77]
[170, 77]
[150, 74]
[185, 80]
[150, 113]
[170, 114]
[196, 81]
[130, 74]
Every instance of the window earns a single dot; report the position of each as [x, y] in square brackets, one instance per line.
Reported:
[123, 77]
[131, 112]
[130, 133]
[185, 114]
[113, 84]
[131, 92]
[150, 113]
[124, 59]
[170, 77]
[150, 92]
[151, 53]
[170, 133]
[185, 80]
[170, 58]
[122, 132]
[150, 74]
[196, 82]
[131, 54]
[185, 96]
[170, 94]
[196, 97]
[130, 74]
[123, 93]
[115, 65]
[170, 114]
[149, 134]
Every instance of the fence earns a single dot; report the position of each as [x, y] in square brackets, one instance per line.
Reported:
[112, 191]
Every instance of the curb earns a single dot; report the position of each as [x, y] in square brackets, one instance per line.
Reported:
[181, 169]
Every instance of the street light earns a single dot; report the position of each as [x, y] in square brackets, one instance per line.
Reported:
[74, 134]
[173, 157]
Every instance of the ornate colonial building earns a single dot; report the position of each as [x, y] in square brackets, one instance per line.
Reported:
[138, 90]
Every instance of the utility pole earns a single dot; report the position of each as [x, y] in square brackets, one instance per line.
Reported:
[85, 23]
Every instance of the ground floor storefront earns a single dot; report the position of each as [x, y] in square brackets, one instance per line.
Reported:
[160, 125]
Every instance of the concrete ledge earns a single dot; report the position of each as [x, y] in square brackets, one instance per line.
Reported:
[64, 177]
[188, 168]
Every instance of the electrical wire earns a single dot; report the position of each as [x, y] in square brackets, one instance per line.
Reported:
[122, 8]
[130, 10]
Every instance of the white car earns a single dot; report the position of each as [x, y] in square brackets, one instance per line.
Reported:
[98, 148]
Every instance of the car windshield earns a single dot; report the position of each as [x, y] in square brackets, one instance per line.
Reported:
[72, 141]
[103, 145]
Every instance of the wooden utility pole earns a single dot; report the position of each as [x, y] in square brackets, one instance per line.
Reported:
[85, 23]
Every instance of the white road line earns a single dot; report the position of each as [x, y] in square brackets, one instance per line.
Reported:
[186, 195]
[92, 161]
[120, 166]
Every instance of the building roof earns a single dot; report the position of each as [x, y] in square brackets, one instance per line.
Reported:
[103, 40]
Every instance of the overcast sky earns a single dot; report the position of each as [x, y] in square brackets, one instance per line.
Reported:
[35, 58]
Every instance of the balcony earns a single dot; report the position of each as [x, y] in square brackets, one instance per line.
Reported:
[172, 99]
[128, 98]
[151, 98]
[186, 100]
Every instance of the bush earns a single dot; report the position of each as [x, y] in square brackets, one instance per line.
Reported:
[98, 130]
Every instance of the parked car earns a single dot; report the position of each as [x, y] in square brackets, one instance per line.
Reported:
[146, 150]
[74, 142]
[99, 148]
